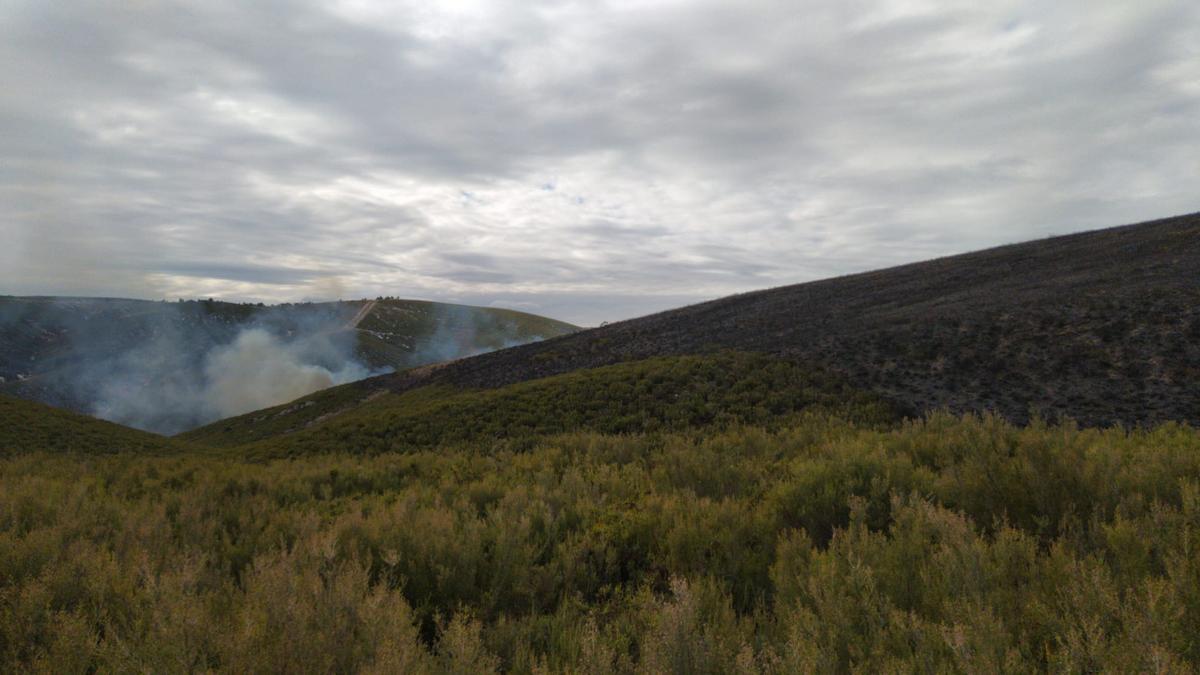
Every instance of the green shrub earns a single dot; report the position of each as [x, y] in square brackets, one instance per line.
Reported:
[807, 544]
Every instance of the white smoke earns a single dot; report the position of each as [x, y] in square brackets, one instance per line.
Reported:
[259, 371]
[156, 386]
[170, 367]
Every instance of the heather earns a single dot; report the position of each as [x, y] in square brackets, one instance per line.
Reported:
[817, 545]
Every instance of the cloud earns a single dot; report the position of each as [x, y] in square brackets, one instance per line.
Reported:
[249, 151]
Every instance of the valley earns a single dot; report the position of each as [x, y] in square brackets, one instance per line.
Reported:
[151, 364]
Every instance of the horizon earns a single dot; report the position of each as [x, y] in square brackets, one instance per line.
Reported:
[584, 162]
[494, 305]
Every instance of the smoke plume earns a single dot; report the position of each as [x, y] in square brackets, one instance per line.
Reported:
[159, 388]
[258, 371]
[169, 367]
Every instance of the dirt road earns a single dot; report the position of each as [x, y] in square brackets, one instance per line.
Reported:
[362, 314]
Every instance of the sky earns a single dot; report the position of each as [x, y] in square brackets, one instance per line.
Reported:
[590, 161]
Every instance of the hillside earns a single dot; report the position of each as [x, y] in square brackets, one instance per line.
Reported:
[148, 364]
[1103, 327]
[705, 392]
[28, 427]
[409, 333]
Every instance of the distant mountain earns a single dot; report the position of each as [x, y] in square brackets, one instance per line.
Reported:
[168, 366]
[1102, 327]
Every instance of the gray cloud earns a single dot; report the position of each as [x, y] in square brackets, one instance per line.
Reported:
[588, 160]
[259, 274]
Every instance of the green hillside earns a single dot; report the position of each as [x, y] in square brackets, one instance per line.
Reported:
[408, 333]
[27, 427]
[664, 394]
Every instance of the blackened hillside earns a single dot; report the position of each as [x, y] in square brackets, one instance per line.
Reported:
[1101, 326]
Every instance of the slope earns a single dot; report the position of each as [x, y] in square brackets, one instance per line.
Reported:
[652, 395]
[409, 333]
[1101, 326]
[27, 426]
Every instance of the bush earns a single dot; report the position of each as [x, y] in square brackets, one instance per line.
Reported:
[814, 544]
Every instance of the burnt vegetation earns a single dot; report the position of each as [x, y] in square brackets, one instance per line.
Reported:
[1101, 327]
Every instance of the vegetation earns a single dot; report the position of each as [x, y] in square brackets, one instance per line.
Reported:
[567, 507]
[64, 351]
[27, 427]
[408, 333]
[801, 541]
[670, 393]
[1093, 326]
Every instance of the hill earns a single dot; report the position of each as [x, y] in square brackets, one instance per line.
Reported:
[1102, 326]
[408, 333]
[151, 364]
[28, 427]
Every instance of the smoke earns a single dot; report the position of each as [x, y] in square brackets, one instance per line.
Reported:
[258, 371]
[459, 331]
[186, 374]
[169, 367]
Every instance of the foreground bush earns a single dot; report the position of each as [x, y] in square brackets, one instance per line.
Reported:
[963, 545]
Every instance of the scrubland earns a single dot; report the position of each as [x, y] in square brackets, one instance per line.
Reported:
[817, 543]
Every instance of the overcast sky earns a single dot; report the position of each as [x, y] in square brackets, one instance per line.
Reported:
[586, 160]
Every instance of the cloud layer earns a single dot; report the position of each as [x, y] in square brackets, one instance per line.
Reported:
[587, 160]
